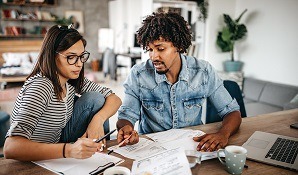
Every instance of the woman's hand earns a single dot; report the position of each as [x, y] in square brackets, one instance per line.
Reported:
[83, 148]
[95, 130]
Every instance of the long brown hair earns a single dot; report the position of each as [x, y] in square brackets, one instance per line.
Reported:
[57, 39]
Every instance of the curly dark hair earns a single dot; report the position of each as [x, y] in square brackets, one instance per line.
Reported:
[170, 26]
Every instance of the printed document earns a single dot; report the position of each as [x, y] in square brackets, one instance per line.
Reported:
[163, 141]
[169, 162]
[174, 134]
[143, 148]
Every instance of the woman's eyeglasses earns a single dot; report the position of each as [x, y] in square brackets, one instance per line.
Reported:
[73, 59]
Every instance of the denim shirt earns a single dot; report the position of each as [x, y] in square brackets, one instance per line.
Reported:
[159, 105]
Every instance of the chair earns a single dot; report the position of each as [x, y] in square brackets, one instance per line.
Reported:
[110, 65]
[235, 92]
[4, 126]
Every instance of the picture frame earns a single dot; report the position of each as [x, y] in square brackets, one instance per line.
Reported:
[76, 18]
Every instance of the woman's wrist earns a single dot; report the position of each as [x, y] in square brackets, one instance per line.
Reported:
[64, 150]
[100, 119]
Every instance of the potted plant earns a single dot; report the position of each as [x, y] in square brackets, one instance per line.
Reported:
[226, 38]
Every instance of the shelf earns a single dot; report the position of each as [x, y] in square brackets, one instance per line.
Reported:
[22, 36]
[27, 20]
[13, 79]
[30, 4]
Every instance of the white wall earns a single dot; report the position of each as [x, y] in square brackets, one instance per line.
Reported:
[270, 51]
[214, 23]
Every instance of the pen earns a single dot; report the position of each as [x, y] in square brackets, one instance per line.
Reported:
[105, 136]
[121, 143]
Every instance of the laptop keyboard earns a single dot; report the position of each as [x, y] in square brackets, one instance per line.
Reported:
[283, 150]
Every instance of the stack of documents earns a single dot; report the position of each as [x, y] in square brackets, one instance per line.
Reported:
[162, 141]
[171, 142]
[169, 162]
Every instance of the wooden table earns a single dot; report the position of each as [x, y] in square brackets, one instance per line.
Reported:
[278, 123]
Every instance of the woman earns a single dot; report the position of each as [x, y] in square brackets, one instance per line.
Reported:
[58, 112]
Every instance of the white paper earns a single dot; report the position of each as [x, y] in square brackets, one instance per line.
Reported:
[165, 140]
[143, 148]
[169, 162]
[73, 166]
[174, 134]
[189, 144]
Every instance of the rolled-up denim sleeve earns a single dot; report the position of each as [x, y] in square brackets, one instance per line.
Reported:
[219, 96]
[131, 106]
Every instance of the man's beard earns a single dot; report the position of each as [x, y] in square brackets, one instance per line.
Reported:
[163, 71]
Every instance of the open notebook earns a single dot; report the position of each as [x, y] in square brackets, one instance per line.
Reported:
[93, 165]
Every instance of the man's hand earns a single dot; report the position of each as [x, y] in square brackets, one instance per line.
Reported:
[211, 142]
[215, 141]
[125, 132]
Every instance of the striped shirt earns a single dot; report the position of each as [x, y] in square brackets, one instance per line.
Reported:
[39, 115]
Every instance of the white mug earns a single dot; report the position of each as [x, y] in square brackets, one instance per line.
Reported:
[117, 170]
[235, 157]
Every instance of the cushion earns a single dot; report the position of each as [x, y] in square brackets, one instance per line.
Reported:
[295, 99]
[254, 109]
[278, 94]
[16, 59]
[245, 100]
[289, 106]
[252, 88]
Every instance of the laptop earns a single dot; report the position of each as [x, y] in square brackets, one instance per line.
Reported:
[273, 149]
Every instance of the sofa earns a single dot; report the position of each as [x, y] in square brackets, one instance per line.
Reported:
[261, 97]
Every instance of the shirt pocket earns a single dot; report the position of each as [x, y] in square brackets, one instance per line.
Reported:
[192, 109]
[154, 110]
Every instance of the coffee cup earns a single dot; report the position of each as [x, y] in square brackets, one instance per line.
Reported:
[193, 157]
[117, 170]
[235, 157]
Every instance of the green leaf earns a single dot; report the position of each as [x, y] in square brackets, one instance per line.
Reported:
[241, 32]
[226, 34]
[225, 46]
[231, 32]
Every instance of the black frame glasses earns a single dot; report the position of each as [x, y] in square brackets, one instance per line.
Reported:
[73, 59]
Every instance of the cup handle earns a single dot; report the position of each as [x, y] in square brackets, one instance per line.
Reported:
[219, 158]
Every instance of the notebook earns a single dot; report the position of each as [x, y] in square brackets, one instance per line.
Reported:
[273, 149]
[69, 166]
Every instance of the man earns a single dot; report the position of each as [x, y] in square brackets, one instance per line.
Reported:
[168, 90]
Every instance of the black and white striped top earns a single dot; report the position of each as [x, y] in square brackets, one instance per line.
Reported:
[38, 115]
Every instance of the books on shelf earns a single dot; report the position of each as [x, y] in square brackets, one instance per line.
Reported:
[14, 14]
[14, 30]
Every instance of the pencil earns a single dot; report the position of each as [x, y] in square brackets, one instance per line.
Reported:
[110, 152]
[120, 144]
[105, 136]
